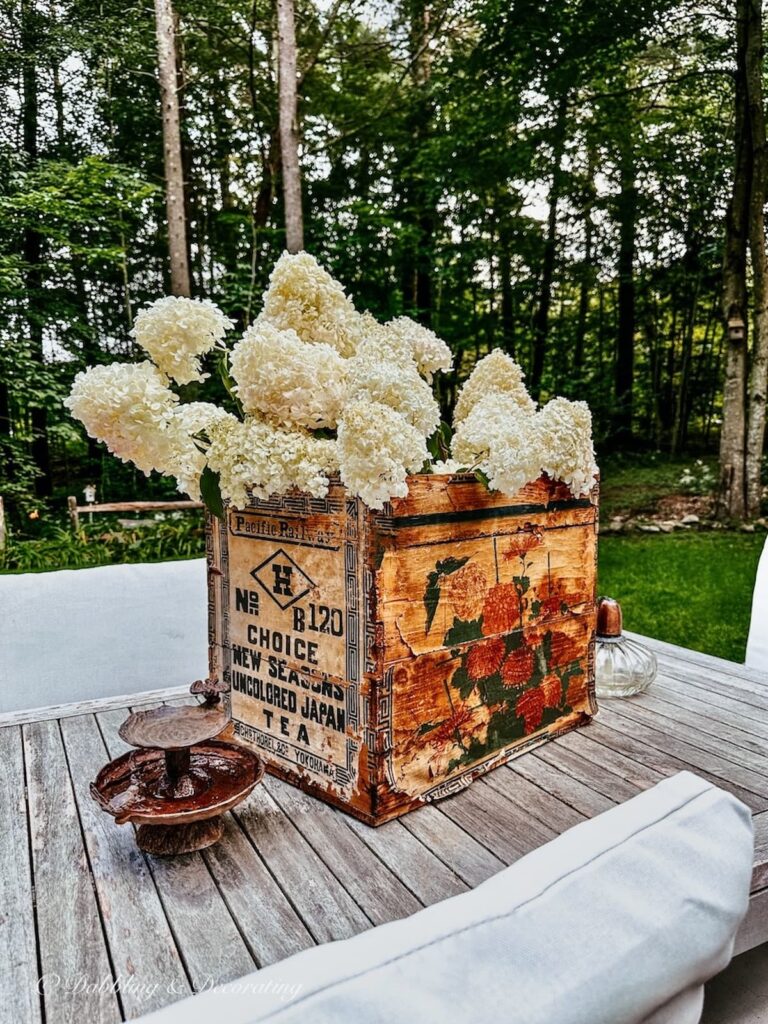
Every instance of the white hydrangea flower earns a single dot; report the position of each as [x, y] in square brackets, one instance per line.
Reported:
[377, 449]
[496, 436]
[258, 458]
[287, 380]
[303, 297]
[186, 453]
[128, 407]
[564, 435]
[175, 331]
[496, 372]
[429, 352]
[386, 373]
[447, 467]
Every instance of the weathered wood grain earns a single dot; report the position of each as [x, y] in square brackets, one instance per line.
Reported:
[534, 800]
[76, 975]
[651, 748]
[425, 875]
[750, 769]
[760, 870]
[87, 707]
[560, 784]
[265, 916]
[585, 743]
[502, 827]
[458, 850]
[321, 901]
[19, 996]
[140, 938]
[374, 888]
[202, 926]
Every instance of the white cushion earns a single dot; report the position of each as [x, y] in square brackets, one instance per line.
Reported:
[85, 633]
[757, 643]
[619, 920]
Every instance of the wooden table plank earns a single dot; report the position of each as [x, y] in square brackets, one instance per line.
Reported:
[585, 743]
[375, 889]
[712, 705]
[622, 738]
[496, 822]
[267, 921]
[736, 737]
[534, 799]
[745, 767]
[428, 877]
[19, 998]
[211, 944]
[140, 938]
[323, 904]
[458, 850]
[77, 977]
[567, 789]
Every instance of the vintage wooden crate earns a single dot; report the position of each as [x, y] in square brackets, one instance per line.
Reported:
[379, 660]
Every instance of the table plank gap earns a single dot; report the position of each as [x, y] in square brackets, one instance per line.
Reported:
[71, 929]
[140, 935]
[207, 937]
[367, 878]
[323, 904]
[19, 977]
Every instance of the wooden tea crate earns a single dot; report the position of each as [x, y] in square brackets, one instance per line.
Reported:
[379, 660]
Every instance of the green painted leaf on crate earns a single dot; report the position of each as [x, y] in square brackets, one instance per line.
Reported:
[461, 631]
[210, 491]
[461, 681]
[432, 592]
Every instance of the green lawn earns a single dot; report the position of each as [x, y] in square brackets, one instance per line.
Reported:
[692, 589]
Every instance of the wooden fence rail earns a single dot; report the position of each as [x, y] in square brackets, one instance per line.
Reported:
[127, 506]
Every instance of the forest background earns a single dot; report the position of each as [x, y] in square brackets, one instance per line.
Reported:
[580, 183]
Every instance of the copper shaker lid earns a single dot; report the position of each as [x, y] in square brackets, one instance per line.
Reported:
[608, 617]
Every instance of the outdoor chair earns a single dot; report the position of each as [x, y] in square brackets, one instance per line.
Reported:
[757, 643]
[620, 920]
[79, 635]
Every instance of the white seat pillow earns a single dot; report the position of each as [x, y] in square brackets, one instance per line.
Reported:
[619, 920]
[80, 634]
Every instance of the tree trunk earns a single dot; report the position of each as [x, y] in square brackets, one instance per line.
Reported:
[172, 154]
[731, 496]
[586, 275]
[541, 319]
[758, 379]
[289, 125]
[32, 247]
[625, 335]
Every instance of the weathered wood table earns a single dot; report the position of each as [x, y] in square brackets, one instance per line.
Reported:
[92, 930]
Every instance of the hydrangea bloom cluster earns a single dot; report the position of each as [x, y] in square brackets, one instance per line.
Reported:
[323, 390]
[127, 405]
[287, 381]
[257, 459]
[175, 332]
[499, 431]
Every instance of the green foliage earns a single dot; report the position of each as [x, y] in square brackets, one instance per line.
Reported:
[693, 589]
[95, 545]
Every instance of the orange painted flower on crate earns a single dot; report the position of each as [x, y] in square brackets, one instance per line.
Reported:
[485, 657]
[466, 589]
[577, 690]
[501, 610]
[565, 648]
[521, 543]
[530, 706]
[518, 667]
[552, 689]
